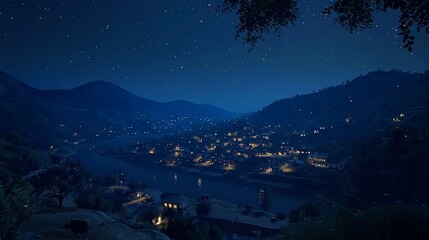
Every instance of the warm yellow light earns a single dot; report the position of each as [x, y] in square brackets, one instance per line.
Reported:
[286, 168]
[157, 221]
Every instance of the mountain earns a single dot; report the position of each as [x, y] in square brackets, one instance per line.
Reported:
[366, 102]
[375, 126]
[394, 159]
[202, 109]
[95, 105]
[20, 109]
[99, 95]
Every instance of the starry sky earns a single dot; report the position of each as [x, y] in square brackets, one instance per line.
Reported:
[175, 49]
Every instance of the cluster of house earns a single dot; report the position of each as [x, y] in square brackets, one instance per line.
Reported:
[233, 150]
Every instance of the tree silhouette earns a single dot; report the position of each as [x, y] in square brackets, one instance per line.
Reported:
[259, 17]
[16, 206]
[203, 209]
[60, 180]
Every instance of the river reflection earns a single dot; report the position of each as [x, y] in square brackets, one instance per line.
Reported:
[200, 182]
[167, 180]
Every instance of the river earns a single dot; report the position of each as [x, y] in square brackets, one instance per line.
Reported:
[186, 184]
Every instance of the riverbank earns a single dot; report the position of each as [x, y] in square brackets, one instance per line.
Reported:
[283, 184]
[188, 183]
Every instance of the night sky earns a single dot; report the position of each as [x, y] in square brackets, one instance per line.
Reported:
[174, 49]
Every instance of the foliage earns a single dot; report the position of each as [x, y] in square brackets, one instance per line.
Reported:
[16, 206]
[391, 222]
[94, 199]
[304, 212]
[259, 17]
[210, 231]
[18, 158]
[181, 228]
[376, 98]
[109, 180]
[5, 175]
[203, 208]
[215, 233]
[397, 163]
[147, 215]
[359, 14]
[60, 180]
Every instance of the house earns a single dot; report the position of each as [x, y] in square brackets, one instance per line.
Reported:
[174, 203]
[319, 160]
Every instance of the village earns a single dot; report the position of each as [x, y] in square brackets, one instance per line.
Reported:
[263, 150]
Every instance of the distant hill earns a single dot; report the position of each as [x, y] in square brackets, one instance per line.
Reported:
[380, 121]
[97, 104]
[367, 101]
[101, 96]
[396, 160]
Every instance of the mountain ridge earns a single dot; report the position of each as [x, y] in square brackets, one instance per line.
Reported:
[91, 86]
[97, 103]
[386, 91]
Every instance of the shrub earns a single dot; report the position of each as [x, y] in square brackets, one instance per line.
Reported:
[390, 222]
